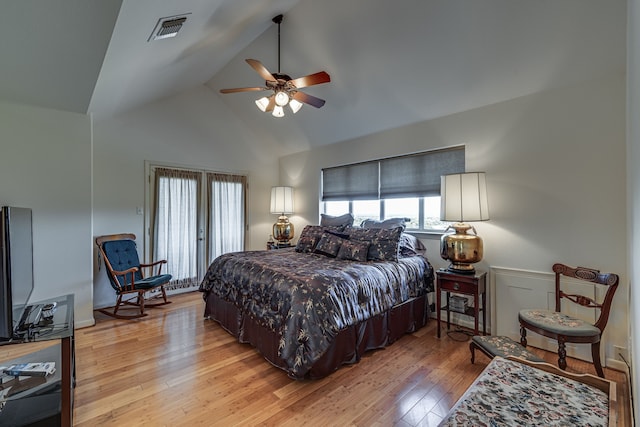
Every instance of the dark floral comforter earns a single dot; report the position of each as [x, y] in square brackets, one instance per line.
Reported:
[308, 297]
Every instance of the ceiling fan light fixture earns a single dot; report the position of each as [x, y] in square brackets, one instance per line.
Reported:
[282, 98]
[285, 90]
[278, 111]
[262, 103]
[295, 105]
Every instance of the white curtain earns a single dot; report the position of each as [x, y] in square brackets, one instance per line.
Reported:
[176, 225]
[226, 214]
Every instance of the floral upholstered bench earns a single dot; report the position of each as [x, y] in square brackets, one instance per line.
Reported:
[520, 392]
[492, 346]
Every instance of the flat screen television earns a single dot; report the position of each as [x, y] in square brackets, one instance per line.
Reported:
[16, 267]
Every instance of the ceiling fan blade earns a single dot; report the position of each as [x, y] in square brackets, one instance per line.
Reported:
[311, 79]
[272, 103]
[261, 69]
[308, 99]
[243, 89]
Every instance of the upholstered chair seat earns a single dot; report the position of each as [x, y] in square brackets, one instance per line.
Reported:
[558, 323]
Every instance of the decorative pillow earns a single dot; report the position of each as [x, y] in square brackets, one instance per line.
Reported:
[329, 245]
[311, 235]
[387, 223]
[410, 245]
[353, 250]
[383, 243]
[340, 222]
[306, 244]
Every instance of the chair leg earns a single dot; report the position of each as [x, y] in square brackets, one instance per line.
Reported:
[164, 294]
[562, 354]
[523, 336]
[118, 302]
[595, 354]
[472, 348]
[141, 302]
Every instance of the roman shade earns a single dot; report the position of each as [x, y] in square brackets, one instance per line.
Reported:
[415, 175]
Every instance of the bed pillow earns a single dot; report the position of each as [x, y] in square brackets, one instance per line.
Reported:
[353, 250]
[383, 242]
[387, 223]
[339, 222]
[329, 245]
[311, 235]
[410, 245]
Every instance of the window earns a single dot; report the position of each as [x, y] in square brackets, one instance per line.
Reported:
[405, 186]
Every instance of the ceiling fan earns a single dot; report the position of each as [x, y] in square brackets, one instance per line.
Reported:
[286, 91]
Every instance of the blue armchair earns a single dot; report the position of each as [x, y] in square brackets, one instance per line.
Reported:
[126, 275]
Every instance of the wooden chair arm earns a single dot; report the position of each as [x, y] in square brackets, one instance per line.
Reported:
[162, 261]
[124, 273]
[153, 264]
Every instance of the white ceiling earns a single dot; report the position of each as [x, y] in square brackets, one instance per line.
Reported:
[391, 63]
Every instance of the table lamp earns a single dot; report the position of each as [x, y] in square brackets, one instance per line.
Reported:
[282, 203]
[463, 198]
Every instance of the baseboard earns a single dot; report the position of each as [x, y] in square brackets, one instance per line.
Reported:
[618, 365]
[85, 323]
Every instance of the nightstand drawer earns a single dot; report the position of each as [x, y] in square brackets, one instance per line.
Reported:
[458, 286]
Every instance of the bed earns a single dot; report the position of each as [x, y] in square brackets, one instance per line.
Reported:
[312, 308]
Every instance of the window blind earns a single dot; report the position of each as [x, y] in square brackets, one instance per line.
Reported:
[351, 182]
[415, 175]
[418, 175]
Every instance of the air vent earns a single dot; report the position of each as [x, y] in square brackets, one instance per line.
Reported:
[168, 27]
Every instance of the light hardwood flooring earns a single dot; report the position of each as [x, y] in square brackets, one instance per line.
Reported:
[175, 368]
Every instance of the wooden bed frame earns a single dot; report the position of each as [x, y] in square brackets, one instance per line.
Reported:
[347, 347]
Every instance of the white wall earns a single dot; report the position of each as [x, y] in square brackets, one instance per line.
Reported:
[192, 129]
[555, 164]
[45, 165]
[633, 188]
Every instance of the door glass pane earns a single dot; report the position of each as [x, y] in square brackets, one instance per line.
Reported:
[226, 228]
[176, 224]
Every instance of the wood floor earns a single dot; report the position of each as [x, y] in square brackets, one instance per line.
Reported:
[174, 368]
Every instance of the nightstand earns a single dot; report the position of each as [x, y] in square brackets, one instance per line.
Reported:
[275, 245]
[465, 284]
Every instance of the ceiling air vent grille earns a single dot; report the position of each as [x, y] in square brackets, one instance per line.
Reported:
[168, 27]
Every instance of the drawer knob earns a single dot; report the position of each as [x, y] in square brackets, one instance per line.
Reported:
[456, 286]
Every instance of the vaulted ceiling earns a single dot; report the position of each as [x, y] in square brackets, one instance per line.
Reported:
[391, 63]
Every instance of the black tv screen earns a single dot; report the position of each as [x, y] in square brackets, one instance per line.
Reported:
[16, 267]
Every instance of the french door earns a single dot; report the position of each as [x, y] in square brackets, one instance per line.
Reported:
[195, 216]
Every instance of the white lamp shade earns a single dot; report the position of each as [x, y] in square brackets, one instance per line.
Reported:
[281, 200]
[295, 105]
[277, 111]
[262, 103]
[463, 197]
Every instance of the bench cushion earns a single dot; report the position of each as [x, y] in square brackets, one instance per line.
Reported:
[503, 347]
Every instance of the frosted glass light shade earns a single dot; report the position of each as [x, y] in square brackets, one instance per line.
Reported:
[281, 98]
[262, 103]
[278, 111]
[295, 105]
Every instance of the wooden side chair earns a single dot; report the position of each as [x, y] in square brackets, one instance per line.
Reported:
[126, 275]
[565, 328]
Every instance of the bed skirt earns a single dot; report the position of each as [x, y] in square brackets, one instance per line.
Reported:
[348, 346]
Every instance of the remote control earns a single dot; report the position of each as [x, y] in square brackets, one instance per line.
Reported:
[48, 310]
